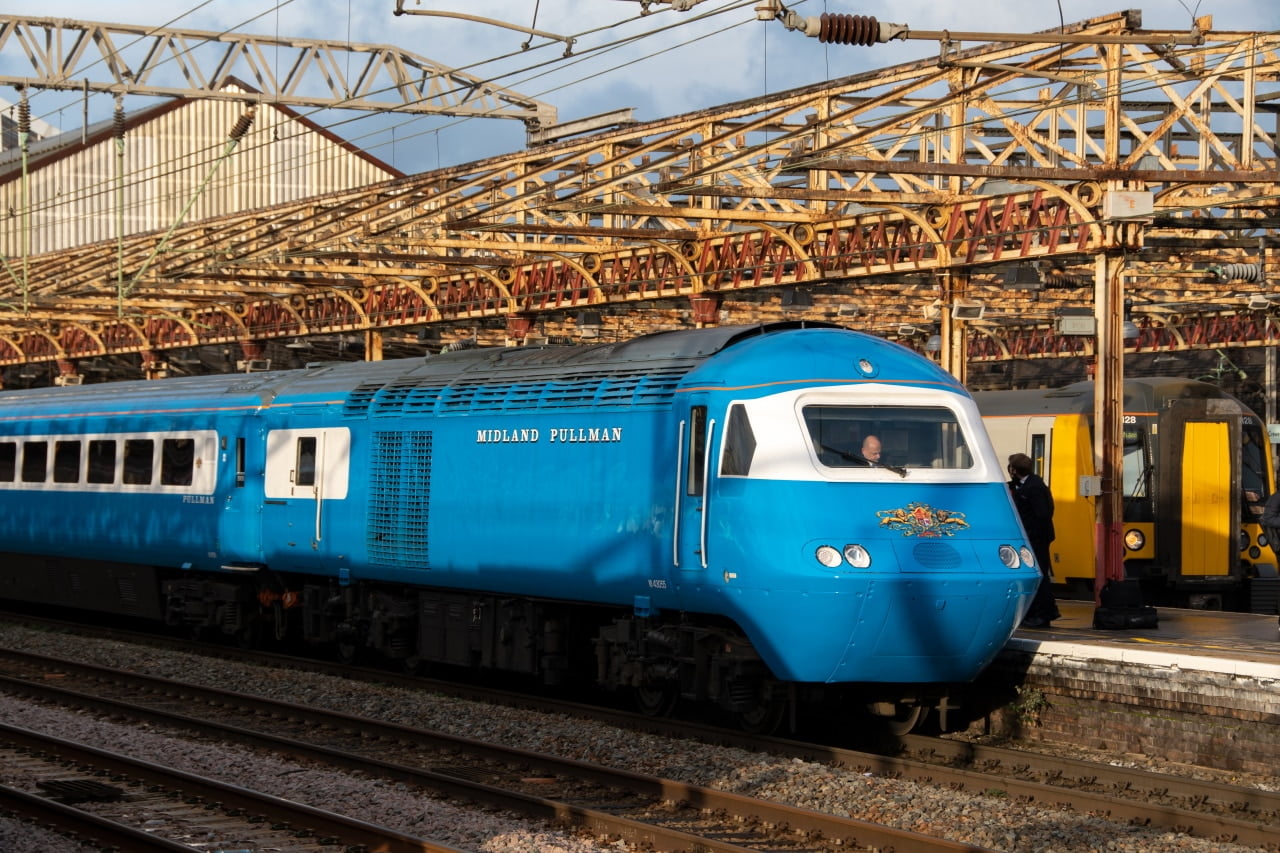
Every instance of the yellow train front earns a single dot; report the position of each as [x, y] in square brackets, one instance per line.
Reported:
[1197, 471]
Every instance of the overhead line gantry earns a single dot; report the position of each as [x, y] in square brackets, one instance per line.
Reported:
[900, 189]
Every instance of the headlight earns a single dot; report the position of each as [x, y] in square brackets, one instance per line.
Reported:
[1028, 556]
[1244, 539]
[1009, 556]
[828, 556]
[1263, 540]
[1134, 540]
[857, 556]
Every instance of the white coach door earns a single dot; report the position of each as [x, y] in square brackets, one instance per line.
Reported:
[307, 469]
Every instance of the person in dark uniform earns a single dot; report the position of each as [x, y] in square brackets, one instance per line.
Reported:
[1270, 521]
[1034, 502]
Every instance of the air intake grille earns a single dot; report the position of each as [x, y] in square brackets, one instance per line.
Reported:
[654, 387]
[400, 498]
[936, 555]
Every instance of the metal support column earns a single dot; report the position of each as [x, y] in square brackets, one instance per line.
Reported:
[373, 345]
[1118, 601]
[1108, 435]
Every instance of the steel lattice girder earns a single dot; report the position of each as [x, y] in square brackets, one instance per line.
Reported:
[881, 183]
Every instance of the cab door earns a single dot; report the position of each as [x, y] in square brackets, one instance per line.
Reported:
[305, 480]
[1207, 509]
[692, 487]
[240, 523]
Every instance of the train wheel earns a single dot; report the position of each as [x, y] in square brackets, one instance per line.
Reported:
[249, 636]
[348, 651]
[416, 666]
[906, 716]
[656, 700]
[763, 719]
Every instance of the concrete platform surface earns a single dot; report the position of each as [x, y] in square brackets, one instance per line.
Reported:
[1233, 643]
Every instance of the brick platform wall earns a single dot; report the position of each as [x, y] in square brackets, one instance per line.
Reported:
[1210, 719]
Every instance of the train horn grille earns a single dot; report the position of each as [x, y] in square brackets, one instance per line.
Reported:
[936, 555]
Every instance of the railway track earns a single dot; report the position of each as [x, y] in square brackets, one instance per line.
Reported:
[1206, 809]
[610, 803]
[143, 806]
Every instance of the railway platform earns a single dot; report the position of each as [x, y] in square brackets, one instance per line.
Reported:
[1202, 687]
[1189, 639]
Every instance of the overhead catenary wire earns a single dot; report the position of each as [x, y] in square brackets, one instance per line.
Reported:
[606, 47]
[437, 130]
[657, 213]
[1038, 108]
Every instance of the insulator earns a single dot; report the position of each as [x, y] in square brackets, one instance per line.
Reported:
[243, 124]
[1238, 272]
[1054, 279]
[24, 115]
[117, 121]
[849, 29]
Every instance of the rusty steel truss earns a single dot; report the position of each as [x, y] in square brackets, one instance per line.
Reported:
[993, 175]
[126, 59]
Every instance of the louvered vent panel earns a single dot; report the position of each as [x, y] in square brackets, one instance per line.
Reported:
[357, 404]
[391, 399]
[400, 498]
[595, 390]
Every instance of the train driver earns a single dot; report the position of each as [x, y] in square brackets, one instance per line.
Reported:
[871, 450]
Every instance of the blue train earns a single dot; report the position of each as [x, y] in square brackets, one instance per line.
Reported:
[687, 514]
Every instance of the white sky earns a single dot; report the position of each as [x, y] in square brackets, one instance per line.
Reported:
[685, 65]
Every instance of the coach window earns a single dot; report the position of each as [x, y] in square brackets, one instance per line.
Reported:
[177, 461]
[8, 460]
[239, 463]
[66, 461]
[139, 454]
[35, 461]
[305, 468]
[739, 444]
[102, 461]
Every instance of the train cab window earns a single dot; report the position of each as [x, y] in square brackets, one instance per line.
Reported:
[102, 461]
[1254, 485]
[697, 450]
[139, 455]
[177, 461]
[66, 462]
[1136, 473]
[35, 461]
[910, 436]
[8, 460]
[739, 444]
[305, 467]
[1135, 465]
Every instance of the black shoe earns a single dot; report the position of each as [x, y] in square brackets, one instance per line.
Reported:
[1034, 622]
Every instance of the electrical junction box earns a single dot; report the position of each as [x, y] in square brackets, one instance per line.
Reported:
[1120, 204]
[1077, 325]
[1090, 487]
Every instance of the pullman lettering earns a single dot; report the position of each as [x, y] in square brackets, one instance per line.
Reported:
[590, 435]
[560, 435]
